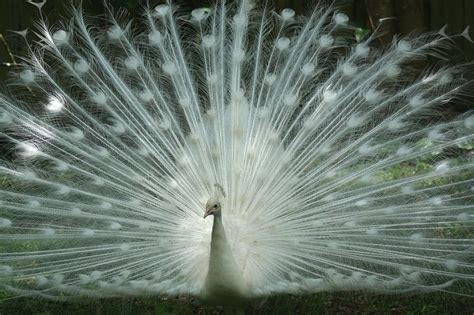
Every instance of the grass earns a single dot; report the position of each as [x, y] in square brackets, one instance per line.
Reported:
[324, 303]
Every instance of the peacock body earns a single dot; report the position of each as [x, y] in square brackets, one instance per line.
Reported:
[277, 126]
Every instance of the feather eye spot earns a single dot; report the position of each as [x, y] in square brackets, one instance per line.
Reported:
[290, 99]
[463, 217]
[445, 78]
[76, 133]
[416, 237]
[132, 63]
[341, 19]
[172, 183]
[442, 167]
[326, 41]
[435, 135]
[88, 232]
[33, 204]
[367, 149]
[117, 127]
[169, 68]
[155, 38]
[105, 205]
[395, 124]
[330, 96]
[208, 41]
[5, 270]
[81, 66]
[372, 231]
[115, 226]
[184, 102]
[416, 101]
[451, 264]
[4, 222]
[404, 46]
[200, 14]
[283, 43]
[48, 231]
[145, 95]
[392, 71]
[349, 69]
[28, 149]
[362, 50]
[115, 33]
[98, 181]
[355, 121]
[287, 14]
[372, 96]
[308, 69]
[212, 79]
[361, 203]
[55, 104]
[60, 166]
[162, 10]
[165, 124]
[270, 79]
[403, 150]
[5, 118]
[240, 20]
[76, 211]
[61, 37]
[99, 98]
[63, 190]
[468, 122]
[125, 247]
[238, 55]
[436, 201]
[102, 152]
[27, 76]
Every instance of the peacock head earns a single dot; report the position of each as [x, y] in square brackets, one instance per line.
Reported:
[213, 205]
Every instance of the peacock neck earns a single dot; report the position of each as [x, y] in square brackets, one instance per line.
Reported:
[218, 236]
[224, 282]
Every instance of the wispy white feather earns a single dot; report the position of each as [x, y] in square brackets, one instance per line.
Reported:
[119, 135]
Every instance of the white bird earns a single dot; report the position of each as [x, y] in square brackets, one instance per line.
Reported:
[324, 162]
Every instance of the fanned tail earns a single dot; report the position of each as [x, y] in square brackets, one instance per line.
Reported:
[337, 164]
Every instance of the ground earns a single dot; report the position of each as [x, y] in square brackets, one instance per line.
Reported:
[327, 303]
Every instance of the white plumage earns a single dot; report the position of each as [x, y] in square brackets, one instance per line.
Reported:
[121, 138]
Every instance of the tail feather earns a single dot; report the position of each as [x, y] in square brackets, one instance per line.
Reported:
[334, 157]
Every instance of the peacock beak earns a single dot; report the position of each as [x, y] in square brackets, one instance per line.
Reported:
[207, 212]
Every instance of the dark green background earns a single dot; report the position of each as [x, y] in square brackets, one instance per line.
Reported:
[407, 16]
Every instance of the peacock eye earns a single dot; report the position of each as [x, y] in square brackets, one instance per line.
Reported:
[215, 206]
